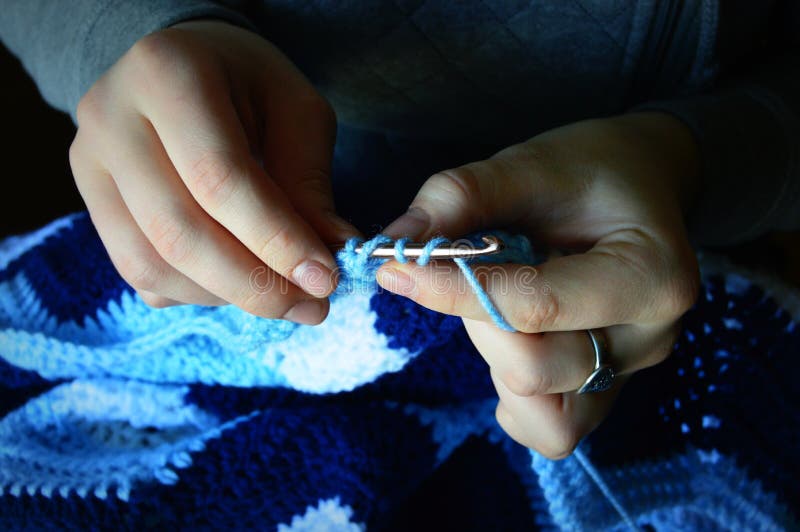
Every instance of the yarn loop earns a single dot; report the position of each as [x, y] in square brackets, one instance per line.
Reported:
[368, 247]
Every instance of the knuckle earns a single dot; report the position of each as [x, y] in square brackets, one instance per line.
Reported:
[659, 355]
[155, 300]
[260, 304]
[675, 290]
[75, 154]
[506, 421]
[681, 292]
[536, 153]
[153, 50]
[212, 179]
[81, 152]
[141, 273]
[668, 267]
[528, 381]
[314, 103]
[276, 243]
[458, 187]
[172, 237]
[164, 55]
[502, 415]
[539, 314]
[561, 443]
[315, 182]
[90, 111]
[306, 101]
[661, 350]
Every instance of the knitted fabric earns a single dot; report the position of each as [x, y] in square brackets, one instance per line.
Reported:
[117, 415]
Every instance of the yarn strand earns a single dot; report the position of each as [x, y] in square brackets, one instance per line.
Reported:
[399, 247]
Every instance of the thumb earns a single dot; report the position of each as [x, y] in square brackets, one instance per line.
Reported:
[458, 201]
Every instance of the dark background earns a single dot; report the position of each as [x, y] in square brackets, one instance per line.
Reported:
[37, 184]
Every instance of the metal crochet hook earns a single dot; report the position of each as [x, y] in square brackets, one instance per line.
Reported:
[447, 251]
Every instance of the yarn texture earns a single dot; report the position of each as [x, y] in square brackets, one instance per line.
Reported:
[117, 415]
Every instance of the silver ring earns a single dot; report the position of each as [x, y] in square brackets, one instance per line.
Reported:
[602, 376]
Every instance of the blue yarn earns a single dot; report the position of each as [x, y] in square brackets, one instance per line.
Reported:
[432, 244]
[399, 249]
[483, 297]
[520, 251]
[591, 470]
[124, 416]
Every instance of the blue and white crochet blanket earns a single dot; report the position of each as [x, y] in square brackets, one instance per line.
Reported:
[114, 415]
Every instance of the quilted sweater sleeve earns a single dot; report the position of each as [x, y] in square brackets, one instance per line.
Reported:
[66, 46]
[748, 130]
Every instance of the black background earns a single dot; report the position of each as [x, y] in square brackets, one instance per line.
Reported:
[36, 184]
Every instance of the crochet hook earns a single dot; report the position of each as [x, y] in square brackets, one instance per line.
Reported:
[446, 251]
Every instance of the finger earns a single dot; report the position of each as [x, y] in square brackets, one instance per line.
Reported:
[618, 281]
[157, 301]
[131, 253]
[455, 202]
[206, 143]
[193, 243]
[507, 423]
[552, 424]
[514, 289]
[299, 160]
[534, 364]
[558, 362]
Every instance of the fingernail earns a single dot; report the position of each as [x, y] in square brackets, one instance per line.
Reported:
[308, 312]
[314, 277]
[413, 224]
[396, 281]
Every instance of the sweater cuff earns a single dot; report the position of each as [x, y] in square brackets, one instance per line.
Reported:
[747, 136]
[118, 25]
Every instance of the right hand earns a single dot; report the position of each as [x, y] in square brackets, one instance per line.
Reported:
[612, 193]
[203, 156]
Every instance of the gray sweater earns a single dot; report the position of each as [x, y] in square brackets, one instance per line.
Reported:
[498, 72]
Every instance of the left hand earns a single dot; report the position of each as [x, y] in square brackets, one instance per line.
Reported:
[613, 192]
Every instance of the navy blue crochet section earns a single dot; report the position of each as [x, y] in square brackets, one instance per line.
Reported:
[419, 436]
[71, 272]
[18, 386]
[262, 472]
[500, 504]
[58, 270]
[407, 325]
[14, 378]
[448, 369]
[728, 388]
[13, 397]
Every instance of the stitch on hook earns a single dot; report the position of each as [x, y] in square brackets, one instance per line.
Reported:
[399, 250]
[436, 248]
[382, 247]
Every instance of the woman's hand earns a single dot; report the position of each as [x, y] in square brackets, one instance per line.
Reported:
[612, 192]
[203, 156]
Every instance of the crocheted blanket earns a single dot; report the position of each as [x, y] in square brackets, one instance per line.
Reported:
[117, 415]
